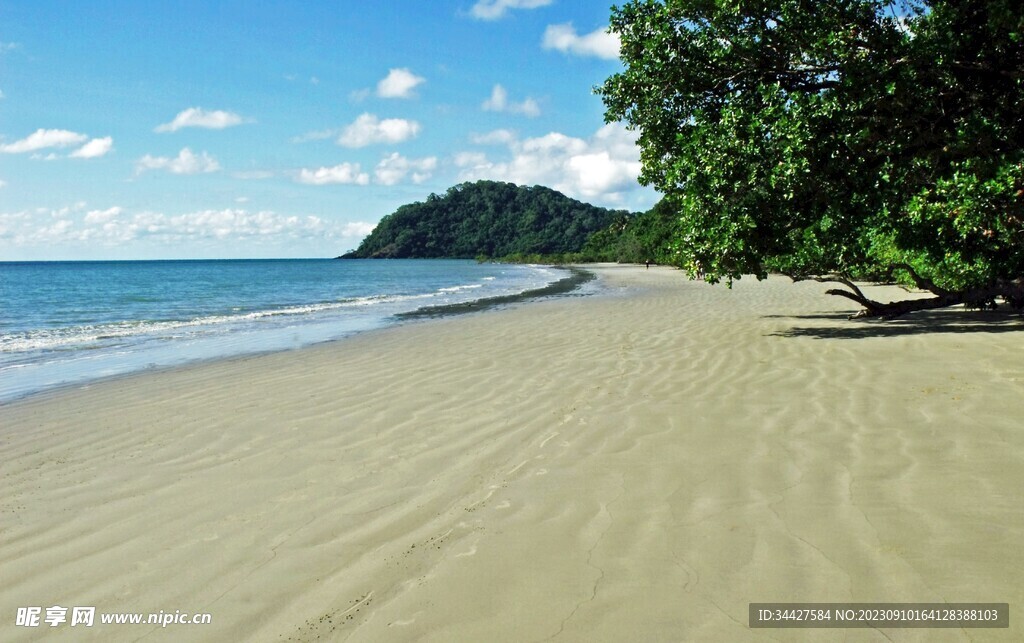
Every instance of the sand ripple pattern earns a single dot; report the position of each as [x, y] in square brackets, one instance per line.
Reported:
[637, 465]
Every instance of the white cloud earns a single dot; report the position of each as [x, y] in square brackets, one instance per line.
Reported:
[93, 149]
[495, 9]
[186, 162]
[399, 83]
[345, 174]
[55, 231]
[42, 139]
[3, 183]
[317, 135]
[115, 226]
[11, 223]
[495, 137]
[61, 213]
[499, 102]
[599, 43]
[394, 168]
[99, 217]
[359, 95]
[198, 117]
[472, 162]
[357, 229]
[599, 169]
[233, 224]
[368, 129]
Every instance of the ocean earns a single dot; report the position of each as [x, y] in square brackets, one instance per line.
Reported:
[69, 323]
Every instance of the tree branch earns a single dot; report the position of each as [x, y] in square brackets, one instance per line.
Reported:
[1011, 292]
[854, 293]
[839, 279]
[919, 281]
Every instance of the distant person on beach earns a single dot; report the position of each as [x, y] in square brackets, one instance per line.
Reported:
[648, 264]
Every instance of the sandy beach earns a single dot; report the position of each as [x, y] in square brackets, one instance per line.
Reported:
[640, 464]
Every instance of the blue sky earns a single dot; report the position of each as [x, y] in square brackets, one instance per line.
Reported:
[144, 130]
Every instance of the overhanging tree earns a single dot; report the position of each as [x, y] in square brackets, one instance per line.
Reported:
[835, 140]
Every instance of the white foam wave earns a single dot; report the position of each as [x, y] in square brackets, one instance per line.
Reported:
[86, 336]
[459, 288]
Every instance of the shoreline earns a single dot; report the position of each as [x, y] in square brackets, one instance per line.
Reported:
[577, 278]
[641, 463]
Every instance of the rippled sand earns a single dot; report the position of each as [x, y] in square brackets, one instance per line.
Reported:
[637, 465]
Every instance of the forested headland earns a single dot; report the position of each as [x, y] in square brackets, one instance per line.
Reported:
[488, 219]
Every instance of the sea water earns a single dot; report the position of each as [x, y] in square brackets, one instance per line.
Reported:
[64, 323]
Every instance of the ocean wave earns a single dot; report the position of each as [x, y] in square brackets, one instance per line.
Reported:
[451, 289]
[92, 335]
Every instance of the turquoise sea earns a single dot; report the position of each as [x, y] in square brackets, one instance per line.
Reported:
[64, 323]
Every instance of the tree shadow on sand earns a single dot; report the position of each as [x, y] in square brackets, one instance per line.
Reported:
[919, 323]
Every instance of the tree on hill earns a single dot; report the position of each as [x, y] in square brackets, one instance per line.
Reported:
[835, 139]
[486, 218]
[635, 238]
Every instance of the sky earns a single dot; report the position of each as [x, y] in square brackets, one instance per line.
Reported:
[256, 129]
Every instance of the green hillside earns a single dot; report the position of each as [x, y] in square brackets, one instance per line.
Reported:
[486, 218]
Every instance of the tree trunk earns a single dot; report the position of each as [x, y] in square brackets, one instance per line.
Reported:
[1011, 292]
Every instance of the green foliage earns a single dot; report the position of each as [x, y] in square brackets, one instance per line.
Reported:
[486, 219]
[835, 136]
[977, 218]
[558, 258]
[636, 238]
